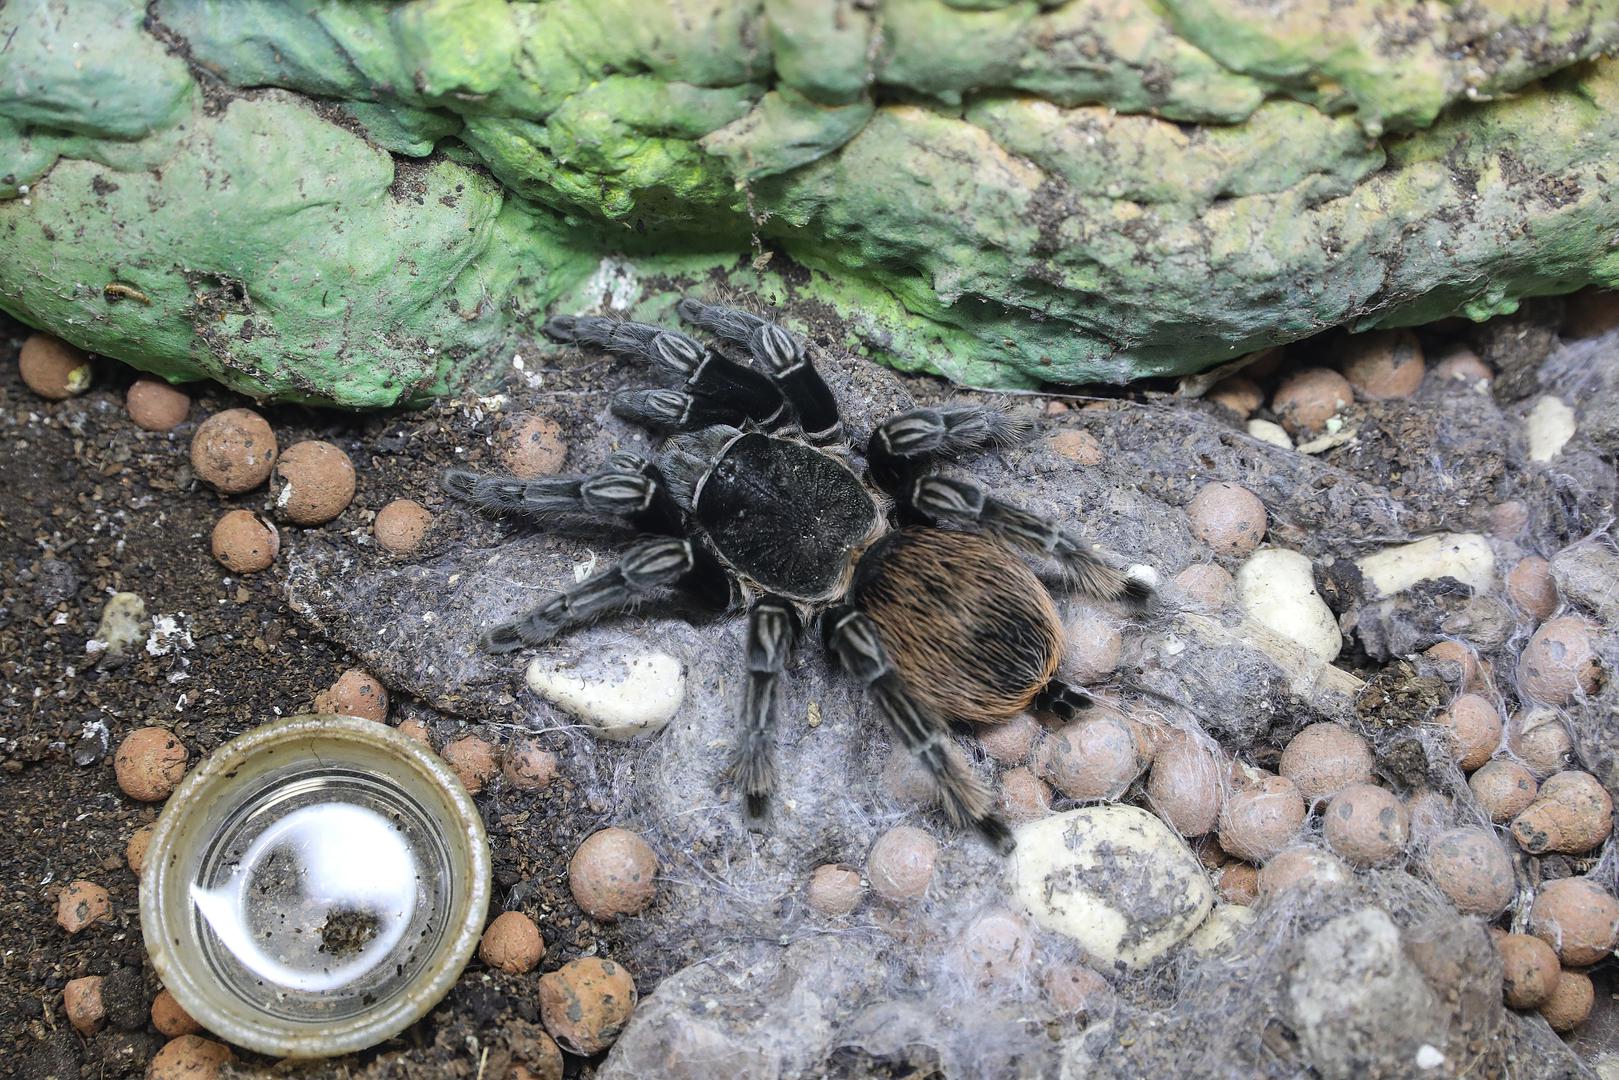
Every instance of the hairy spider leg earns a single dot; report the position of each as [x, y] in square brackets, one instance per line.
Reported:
[651, 569]
[773, 629]
[782, 355]
[852, 639]
[631, 489]
[716, 389]
[960, 502]
[905, 446]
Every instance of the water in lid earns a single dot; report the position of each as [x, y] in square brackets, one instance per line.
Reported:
[322, 894]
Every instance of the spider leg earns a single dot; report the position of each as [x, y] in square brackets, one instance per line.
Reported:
[779, 353]
[962, 502]
[715, 390]
[676, 410]
[772, 631]
[649, 570]
[852, 638]
[630, 489]
[902, 447]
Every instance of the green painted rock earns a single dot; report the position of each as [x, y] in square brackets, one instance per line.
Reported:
[360, 204]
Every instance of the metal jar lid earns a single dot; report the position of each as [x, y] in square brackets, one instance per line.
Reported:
[315, 886]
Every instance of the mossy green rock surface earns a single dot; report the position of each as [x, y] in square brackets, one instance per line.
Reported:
[360, 204]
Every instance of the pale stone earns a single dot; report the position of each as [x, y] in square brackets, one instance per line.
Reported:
[1267, 432]
[1115, 879]
[123, 623]
[1277, 588]
[1549, 426]
[1220, 929]
[637, 700]
[1464, 556]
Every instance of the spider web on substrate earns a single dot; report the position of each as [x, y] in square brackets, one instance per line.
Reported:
[752, 977]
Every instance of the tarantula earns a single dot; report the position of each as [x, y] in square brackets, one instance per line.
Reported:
[755, 501]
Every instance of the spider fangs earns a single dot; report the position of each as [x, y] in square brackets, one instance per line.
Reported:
[914, 578]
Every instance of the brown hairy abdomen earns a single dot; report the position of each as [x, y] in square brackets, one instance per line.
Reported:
[970, 628]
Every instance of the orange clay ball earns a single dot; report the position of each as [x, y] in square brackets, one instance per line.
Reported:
[1384, 364]
[1366, 824]
[1458, 665]
[190, 1057]
[1504, 789]
[1023, 796]
[1572, 814]
[528, 766]
[1238, 393]
[1308, 398]
[1090, 759]
[613, 873]
[1541, 741]
[1570, 1001]
[149, 764]
[1299, 866]
[1238, 883]
[417, 732]
[995, 946]
[473, 761]
[232, 451]
[1474, 729]
[81, 904]
[1229, 518]
[1259, 819]
[52, 368]
[1080, 447]
[1576, 917]
[170, 1019]
[1530, 585]
[1560, 661]
[586, 1003]
[1323, 759]
[1473, 869]
[355, 693]
[512, 943]
[135, 850]
[245, 543]
[81, 1000]
[154, 405]
[1184, 787]
[532, 446]
[401, 525]
[1074, 989]
[1461, 364]
[1009, 742]
[1529, 970]
[1209, 585]
[834, 889]
[313, 482]
[901, 863]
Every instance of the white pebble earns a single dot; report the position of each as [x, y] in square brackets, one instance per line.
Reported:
[1113, 878]
[1464, 556]
[1220, 929]
[1277, 589]
[123, 623]
[638, 699]
[1549, 425]
[1275, 434]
